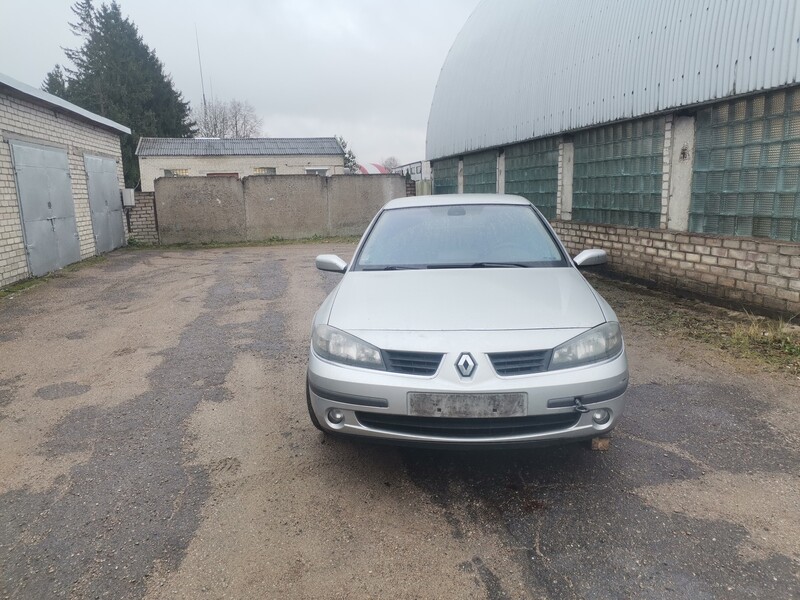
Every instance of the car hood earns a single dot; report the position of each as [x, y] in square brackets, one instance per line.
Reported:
[465, 300]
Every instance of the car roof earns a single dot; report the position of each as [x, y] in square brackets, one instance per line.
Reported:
[451, 199]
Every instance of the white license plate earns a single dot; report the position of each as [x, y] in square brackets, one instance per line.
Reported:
[478, 406]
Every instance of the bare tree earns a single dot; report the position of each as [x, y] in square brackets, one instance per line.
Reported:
[243, 120]
[232, 119]
[390, 162]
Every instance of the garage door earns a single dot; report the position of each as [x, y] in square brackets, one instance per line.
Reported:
[105, 202]
[48, 213]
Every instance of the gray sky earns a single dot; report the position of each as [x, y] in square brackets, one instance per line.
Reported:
[364, 69]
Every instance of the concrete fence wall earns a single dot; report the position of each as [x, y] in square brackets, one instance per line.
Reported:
[227, 209]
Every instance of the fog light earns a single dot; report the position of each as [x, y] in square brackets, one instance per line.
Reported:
[335, 416]
[601, 416]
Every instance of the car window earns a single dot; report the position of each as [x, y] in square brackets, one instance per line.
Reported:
[459, 236]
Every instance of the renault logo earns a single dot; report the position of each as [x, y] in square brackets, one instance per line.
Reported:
[465, 364]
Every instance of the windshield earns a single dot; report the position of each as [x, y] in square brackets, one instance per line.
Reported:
[459, 236]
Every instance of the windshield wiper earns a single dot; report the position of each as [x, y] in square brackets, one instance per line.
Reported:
[479, 265]
[389, 268]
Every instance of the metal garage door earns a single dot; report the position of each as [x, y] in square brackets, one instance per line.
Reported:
[105, 202]
[48, 213]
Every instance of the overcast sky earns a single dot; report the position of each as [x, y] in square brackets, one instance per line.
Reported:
[364, 69]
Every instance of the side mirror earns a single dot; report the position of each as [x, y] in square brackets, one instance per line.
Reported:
[590, 258]
[331, 262]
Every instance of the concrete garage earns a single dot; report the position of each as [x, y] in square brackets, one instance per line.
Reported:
[60, 181]
[163, 450]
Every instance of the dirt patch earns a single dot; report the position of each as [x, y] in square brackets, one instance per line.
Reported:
[761, 341]
[767, 504]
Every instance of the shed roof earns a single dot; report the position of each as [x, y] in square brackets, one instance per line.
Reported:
[28, 92]
[523, 69]
[237, 146]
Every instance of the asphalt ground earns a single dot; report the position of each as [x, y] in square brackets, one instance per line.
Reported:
[154, 443]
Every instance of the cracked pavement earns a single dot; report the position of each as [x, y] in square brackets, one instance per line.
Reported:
[154, 443]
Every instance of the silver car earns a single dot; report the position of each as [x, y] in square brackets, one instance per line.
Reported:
[462, 320]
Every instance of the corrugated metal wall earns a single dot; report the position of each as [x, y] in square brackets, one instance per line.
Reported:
[618, 173]
[532, 172]
[524, 69]
[746, 177]
[480, 173]
[445, 176]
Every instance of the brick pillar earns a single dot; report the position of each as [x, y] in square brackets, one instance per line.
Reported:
[680, 174]
[501, 172]
[566, 155]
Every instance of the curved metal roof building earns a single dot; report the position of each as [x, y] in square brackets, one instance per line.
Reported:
[523, 69]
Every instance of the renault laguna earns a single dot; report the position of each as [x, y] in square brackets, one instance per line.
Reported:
[462, 320]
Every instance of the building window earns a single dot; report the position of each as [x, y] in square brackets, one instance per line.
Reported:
[264, 171]
[323, 171]
[618, 174]
[746, 177]
[176, 172]
[480, 173]
[445, 176]
[532, 172]
[222, 175]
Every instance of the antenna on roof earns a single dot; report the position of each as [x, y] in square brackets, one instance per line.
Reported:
[200, 62]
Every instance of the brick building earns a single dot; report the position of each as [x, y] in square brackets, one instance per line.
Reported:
[60, 176]
[667, 134]
[186, 157]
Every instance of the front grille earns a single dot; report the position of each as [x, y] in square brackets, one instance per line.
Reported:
[520, 363]
[468, 428]
[412, 363]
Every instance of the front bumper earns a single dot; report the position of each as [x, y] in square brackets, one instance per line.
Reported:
[368, 401]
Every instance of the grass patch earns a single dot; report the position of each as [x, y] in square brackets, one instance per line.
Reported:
[770, 343]
[273, 241]
[25, 284]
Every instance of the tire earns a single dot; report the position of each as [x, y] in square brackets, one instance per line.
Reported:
[311, 415]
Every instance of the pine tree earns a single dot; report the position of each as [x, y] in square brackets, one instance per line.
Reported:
[116, 75]
[350, 162]
[55, 83]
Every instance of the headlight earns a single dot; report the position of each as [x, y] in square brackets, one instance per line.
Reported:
[601, 343]
[338, 346]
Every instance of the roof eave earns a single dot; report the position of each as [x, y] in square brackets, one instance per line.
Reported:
[27, 92]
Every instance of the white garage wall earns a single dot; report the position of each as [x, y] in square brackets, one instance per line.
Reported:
[38, 124]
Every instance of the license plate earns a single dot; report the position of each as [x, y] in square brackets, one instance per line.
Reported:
[478, 406]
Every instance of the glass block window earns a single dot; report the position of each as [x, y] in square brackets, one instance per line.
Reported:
[618, 172]
[480, 173]
[746, 178]
[445, 176]
[532, 172]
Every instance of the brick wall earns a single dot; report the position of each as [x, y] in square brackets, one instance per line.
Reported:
[152, 167]
[142, 219]
[35, 123]
[759, 273]
[411, 187]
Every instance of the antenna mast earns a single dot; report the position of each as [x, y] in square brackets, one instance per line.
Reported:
[200, 62]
